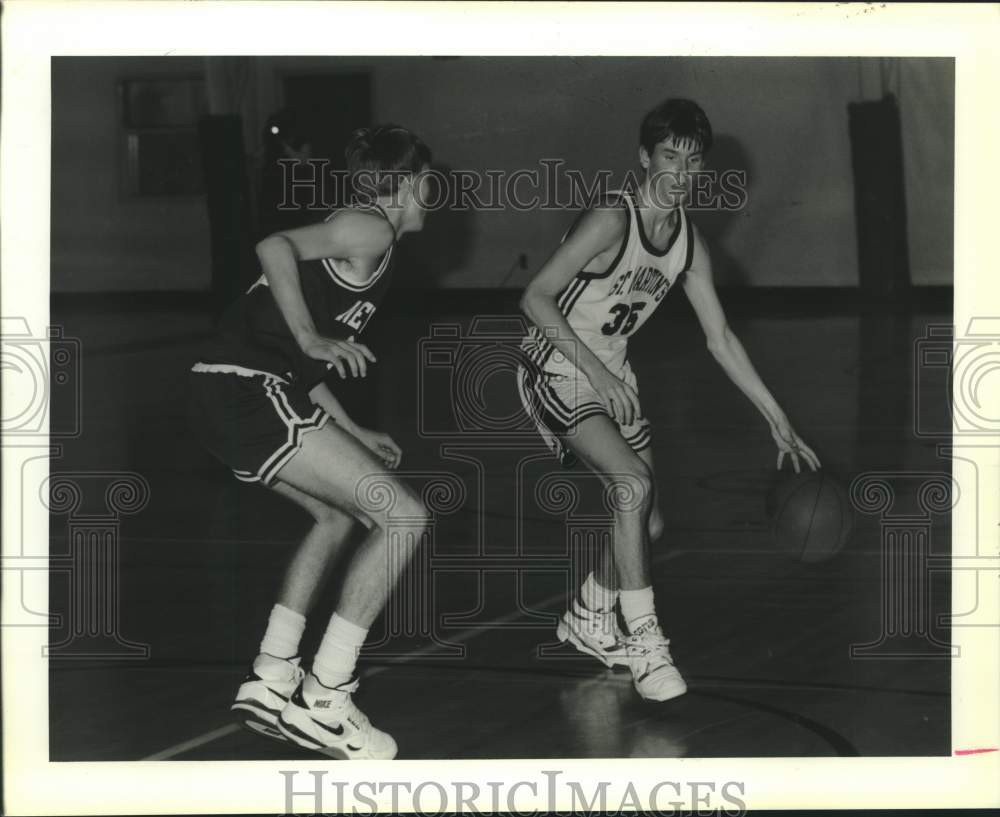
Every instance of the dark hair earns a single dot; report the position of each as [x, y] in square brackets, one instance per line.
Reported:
[680, 119]
[378, 157]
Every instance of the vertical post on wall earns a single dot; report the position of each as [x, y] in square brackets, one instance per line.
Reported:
[879, 197]
[227, 199]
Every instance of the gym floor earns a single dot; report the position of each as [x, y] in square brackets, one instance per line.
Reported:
[468, 666]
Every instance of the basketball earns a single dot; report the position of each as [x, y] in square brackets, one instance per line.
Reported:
[811, 516]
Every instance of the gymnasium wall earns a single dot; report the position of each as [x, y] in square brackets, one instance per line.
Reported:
[783, 121]
[102, 238]
[926, 93]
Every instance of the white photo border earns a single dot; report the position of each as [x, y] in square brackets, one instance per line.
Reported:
[33, 32]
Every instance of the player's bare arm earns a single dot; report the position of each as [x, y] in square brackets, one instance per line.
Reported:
[378, 442]
[732, 357]
[352, 236]
[325, 399]
[598, 235]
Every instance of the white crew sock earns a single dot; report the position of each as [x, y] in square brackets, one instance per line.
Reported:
[284, 632]
[596, 597]
[638, 610]
[338, 653]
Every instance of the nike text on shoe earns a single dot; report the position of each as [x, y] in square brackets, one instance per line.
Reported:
[653, 672]
[265, 691]
[332, 725]
[595, 633]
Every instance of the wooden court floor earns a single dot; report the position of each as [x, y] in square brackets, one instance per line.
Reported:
[467, 666]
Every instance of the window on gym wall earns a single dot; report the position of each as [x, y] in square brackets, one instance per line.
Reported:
[160, 119]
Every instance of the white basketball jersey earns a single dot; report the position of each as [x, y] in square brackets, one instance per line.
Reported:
[605, 307]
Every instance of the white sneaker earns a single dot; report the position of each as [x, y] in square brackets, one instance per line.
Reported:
[653, 672]
[595, 633]
[331, 724]
[265, 691]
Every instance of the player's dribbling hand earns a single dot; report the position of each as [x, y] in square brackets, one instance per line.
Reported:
[381, 445]
[341, 354]
[619, 398]
[789, 443]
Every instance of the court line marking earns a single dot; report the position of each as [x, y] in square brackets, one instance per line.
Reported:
[465, 635]
[841, 745]
[194, 743]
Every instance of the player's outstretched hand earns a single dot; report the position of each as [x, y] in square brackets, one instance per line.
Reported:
[381, 445]
[343, 355]
[618, 397]
[790, 443]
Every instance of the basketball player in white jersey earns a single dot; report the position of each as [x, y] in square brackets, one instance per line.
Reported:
[598, 288]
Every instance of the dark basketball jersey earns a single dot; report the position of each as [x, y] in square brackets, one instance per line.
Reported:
[253, 337]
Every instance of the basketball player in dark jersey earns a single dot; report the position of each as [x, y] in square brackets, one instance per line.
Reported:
[596, 290]
[260, 404]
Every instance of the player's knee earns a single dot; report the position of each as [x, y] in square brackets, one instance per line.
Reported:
[631, 490]
[328, 517]
[407, 529]
[656, 527]
[396, 506]
[411, 514]
[418, 519]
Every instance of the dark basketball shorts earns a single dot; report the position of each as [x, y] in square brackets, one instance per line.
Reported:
[558, 403]
[254, 422]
